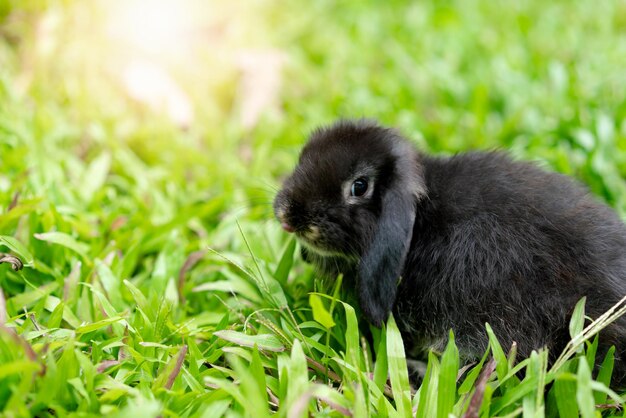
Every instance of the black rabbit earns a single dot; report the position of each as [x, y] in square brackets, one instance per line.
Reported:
[452, 243]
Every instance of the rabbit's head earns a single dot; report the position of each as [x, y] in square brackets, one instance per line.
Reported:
[353, 196]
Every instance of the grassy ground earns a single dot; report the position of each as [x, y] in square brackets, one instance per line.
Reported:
[156, 282]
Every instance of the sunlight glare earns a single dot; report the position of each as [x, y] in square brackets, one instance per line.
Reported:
[156, 27]
[153, 35]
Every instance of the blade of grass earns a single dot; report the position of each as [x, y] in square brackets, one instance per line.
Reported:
[592, 329]
[18, 248]
[398, 373]
[479, 392]
[604, 374]
[427, 405]
[298, 387]
[286, 262]
[498, 354]
[565, 392]
[447, 379]
[266, 342]
[584, 393]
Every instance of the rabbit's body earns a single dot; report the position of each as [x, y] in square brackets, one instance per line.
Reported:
[506, 243]
[453, 243]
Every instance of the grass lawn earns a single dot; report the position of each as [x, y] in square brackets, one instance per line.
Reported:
[138, 167]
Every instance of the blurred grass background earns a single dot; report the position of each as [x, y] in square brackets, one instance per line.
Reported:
[134, 134]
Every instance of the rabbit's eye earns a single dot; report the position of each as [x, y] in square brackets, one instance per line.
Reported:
[359, 187]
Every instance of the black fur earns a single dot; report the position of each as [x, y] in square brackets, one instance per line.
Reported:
[452, 243]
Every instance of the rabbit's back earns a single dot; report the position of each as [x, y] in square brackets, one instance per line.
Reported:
[507, 243]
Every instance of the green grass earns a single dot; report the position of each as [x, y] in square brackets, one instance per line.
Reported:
[156, 282]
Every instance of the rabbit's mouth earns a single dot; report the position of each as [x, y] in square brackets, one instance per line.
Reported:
[311, 234]
[318, 248]
[313, 239]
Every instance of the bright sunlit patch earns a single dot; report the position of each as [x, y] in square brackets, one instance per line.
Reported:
[156, 27]
[176, 57]
[153, 35]
[149, 83]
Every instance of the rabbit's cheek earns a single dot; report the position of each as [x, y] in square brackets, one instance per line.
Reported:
[312, 237]
[322, 241]
[312, 233]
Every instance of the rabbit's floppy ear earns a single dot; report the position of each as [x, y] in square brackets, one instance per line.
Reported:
[382, 263]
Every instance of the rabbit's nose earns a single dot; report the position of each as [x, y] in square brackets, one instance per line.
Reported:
[281, 215]
[287, 227]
